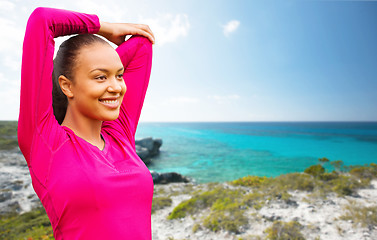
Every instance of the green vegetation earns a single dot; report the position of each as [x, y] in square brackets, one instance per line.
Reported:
[285, 231]
[251, 181]
[8, 128]
[315, 170]
[364, 173]
[223, 206]
[314, 179]
[31, 225]
[185, 207]
[226, 211]
[160, 203]
[338, 165]
[8, 135]
[365, 216]
[201, 200]
[226, 214]
[251, 237]
[323, 161]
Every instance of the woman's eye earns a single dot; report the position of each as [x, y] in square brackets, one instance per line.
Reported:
[120, 75]
[101, 77]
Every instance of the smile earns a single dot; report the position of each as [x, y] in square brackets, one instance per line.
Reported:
[113, 103]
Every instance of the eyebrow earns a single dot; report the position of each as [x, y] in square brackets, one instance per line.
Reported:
[105, 70]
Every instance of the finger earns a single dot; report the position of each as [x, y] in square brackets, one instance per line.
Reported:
[146, 28]
[147, 34]
[140, 29]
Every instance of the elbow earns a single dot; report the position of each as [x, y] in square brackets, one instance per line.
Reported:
[39, 15]
[37, 23]
[39, 12]
[143, 41]
[144, 45]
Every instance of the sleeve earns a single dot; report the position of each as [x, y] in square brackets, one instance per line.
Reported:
[36, 117]
[136, 56]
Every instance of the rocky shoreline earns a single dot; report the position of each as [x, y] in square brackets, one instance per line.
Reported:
[311, 205]
[318, 218]
[16, 190]
[147, 148]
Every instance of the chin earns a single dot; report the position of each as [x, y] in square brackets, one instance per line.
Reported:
[110, 117]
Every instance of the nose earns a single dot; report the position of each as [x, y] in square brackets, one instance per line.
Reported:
[115, 85]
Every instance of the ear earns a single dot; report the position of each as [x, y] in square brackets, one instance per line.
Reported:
[66, 86]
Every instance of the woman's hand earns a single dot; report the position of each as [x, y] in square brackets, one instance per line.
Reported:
[116, 32]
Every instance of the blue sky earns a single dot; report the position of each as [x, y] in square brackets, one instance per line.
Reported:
[234, 60]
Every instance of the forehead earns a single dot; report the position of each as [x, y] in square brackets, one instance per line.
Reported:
[98, 56]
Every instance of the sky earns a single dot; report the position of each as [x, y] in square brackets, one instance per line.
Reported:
[252, 60]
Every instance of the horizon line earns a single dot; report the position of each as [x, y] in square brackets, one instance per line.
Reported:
[244, 121]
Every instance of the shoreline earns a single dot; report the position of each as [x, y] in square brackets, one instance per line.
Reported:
[251, 206]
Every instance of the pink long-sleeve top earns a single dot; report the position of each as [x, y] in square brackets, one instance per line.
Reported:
[88, 193]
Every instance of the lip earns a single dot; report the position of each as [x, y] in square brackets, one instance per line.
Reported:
[110, 102]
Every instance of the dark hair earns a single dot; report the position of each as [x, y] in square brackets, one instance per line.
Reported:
[64, 64]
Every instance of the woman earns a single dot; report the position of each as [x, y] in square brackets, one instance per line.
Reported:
[80, 143]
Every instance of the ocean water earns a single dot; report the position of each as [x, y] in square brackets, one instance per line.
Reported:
[224, 151]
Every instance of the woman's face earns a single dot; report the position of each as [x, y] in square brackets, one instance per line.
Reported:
[98, 87]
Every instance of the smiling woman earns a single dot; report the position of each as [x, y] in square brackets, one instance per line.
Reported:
[78, 58]
[95, 88]
[80, 144]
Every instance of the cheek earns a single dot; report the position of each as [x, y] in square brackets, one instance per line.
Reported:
[124, 88]
[86, 93]
[95, 92]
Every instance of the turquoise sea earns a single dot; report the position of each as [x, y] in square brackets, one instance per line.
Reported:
[224, 151]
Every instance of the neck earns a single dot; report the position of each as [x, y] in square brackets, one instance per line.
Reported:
[86, 128]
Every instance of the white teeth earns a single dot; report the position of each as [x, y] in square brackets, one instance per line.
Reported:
[110, 101]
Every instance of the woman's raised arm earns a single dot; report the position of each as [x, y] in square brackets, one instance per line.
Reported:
[36, 118]
[136, 56]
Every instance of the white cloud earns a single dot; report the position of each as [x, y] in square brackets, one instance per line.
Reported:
[224, 99]
[105, 10]
[10, 110]
[7, 84]
[183, 100]
[176, 101]
[11, 40]
[12, 63]
[6, 5]
[230, 27]
[167, 27]
[9, 98]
